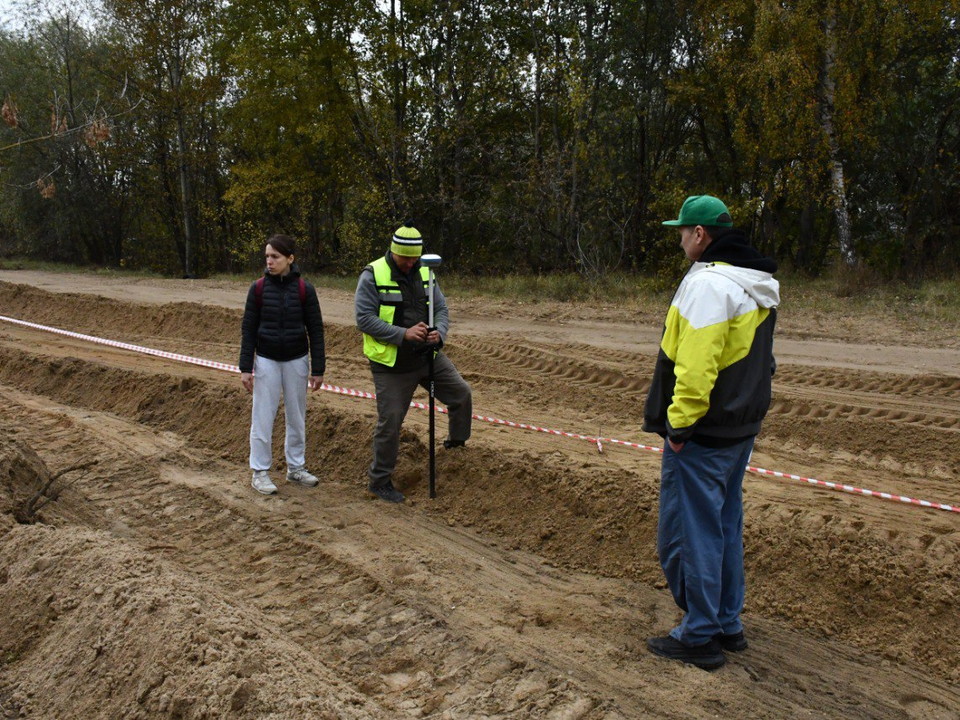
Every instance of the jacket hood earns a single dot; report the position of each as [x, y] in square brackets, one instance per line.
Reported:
[731, 255]
[759, 285]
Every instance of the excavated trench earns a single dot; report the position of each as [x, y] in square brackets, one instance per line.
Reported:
[870, 581]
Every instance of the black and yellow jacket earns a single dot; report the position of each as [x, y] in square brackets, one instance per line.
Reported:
[712, 381]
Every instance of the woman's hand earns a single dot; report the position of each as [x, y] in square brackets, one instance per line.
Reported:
[247, 380]
[315, 382]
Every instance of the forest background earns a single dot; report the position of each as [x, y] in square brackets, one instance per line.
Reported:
[534, 136]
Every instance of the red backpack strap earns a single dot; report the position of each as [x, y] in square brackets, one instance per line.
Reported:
[303, 292]
[258, 291]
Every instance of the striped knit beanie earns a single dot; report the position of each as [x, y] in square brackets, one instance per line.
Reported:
[407, 241]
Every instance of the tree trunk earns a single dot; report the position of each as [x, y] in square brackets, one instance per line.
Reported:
[185, 201]
[188, 239]
[838, 186]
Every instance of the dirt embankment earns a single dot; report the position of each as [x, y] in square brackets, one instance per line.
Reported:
[160, 584]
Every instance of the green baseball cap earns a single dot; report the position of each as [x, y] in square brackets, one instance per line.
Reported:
[702, 210]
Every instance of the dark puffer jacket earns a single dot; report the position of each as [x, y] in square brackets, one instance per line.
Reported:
[280, 328]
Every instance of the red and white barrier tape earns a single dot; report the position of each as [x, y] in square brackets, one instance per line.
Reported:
[125, 346]
[855, 490]
[496, 421]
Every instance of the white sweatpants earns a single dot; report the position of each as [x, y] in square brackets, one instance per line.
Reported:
[270, 378]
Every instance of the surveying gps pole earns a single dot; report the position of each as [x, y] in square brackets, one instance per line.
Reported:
[431, 261]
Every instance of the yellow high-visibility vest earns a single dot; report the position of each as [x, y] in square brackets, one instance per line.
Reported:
[390, 300]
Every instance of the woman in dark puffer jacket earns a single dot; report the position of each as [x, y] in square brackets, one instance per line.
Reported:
[282, 346]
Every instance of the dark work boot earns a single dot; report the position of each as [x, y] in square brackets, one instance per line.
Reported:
[706, 657]
[449, 444]
[387, 492]
[735, 642]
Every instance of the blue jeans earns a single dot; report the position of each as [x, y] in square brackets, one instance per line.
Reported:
[700, 537]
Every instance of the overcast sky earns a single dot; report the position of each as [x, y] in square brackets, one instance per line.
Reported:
[6, 13]
[13, 11]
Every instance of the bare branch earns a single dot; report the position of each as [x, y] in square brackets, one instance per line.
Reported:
[78, 129]
[33, 184]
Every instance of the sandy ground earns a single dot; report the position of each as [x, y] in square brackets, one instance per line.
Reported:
[159, 584]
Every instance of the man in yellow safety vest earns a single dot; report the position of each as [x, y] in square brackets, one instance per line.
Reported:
[392, 310]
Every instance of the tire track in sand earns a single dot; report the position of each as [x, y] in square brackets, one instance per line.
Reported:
[304, 560]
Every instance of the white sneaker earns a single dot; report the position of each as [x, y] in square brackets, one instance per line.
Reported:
[300, 475]
[262, 483]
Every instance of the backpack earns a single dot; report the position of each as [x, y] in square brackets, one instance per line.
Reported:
[301, 287]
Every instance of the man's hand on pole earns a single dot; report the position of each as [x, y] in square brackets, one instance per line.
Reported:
[433, 337]
[417, 333]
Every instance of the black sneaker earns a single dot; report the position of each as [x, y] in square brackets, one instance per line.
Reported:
[388, 492]
[707, 656]
[732, 643]
[449, 444]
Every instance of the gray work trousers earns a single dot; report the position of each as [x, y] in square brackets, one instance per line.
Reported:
[394, 393]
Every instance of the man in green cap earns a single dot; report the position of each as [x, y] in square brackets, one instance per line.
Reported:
[391, 305]
[710, 392]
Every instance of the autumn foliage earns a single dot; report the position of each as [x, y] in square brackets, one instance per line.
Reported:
[541, 136]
